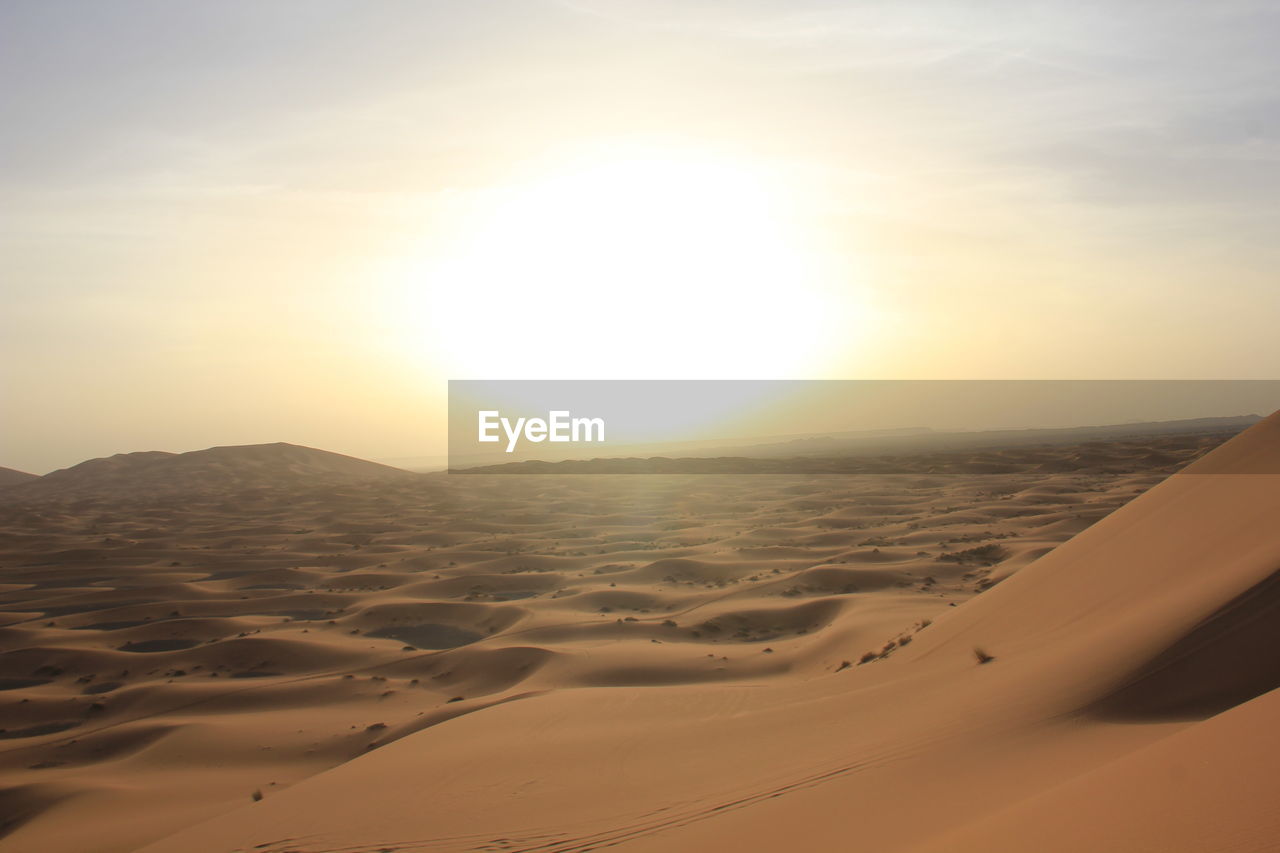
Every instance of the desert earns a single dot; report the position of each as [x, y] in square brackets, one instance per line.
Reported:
[284, 649]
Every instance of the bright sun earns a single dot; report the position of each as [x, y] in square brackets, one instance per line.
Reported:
[628, 265]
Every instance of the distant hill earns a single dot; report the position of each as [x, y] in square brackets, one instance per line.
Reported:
[217, 469]
[10, 477]
[924, 440]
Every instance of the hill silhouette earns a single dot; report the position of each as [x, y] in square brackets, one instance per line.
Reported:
[216, 469]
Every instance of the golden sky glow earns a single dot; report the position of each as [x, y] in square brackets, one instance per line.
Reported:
[237, 222]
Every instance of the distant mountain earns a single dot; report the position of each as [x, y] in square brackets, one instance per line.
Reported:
[10, 477]
[1097, 449]
[217, 469]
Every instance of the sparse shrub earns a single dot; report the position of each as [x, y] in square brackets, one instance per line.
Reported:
[986, 555]
[982, 655]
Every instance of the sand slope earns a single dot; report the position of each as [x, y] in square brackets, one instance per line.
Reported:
[1210, 787]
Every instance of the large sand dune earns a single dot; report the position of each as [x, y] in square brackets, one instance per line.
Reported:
[667, 662]
[126, 476]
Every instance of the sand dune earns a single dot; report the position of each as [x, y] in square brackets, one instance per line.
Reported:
[674, 662]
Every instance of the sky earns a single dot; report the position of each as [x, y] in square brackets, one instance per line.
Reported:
[241, 222]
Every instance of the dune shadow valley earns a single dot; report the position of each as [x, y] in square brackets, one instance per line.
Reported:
[274, 648]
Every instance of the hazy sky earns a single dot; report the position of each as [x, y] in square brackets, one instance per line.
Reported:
[233, 222]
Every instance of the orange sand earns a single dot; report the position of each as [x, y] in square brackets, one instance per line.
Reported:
[561, 663]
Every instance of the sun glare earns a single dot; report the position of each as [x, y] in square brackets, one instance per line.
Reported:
[640, 265]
